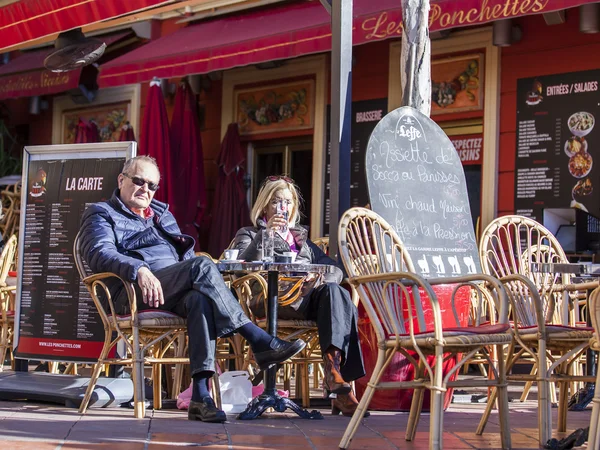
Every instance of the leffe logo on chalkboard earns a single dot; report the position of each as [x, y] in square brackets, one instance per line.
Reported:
[409, 132]
[38, 185]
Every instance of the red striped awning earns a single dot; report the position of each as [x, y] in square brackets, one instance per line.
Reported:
[26, 76]
[290, 31]
[26, 20]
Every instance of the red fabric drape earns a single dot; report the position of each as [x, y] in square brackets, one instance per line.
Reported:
[187, 167]
[154, 139]
[127, 133]
[230, 209]
[87, 131]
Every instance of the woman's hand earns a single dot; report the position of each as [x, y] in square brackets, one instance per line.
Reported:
[277, 222]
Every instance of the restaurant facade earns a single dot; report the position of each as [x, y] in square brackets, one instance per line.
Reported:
[269, 71]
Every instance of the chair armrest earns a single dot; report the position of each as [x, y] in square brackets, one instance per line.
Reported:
[97, 280]
[402, 280]
[101, 276]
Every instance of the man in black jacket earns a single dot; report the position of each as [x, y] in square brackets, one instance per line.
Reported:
[137, 238]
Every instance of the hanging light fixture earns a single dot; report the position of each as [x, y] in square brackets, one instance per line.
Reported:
[504, 33]
[589, 21]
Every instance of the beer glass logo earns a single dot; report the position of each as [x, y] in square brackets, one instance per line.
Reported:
[38, 185]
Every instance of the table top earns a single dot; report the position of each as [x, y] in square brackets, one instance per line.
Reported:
[256, 266]
[572, 268]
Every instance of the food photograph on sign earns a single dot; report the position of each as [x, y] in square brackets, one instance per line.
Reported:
[580, 125]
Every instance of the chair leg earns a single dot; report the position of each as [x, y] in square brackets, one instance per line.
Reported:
[305, 385]
[563, 400]
[90, 389]
[216, 390]
[436, 428]
[3, 344]
[383, 359]
[502, 393]
[156, 386]
[594, 435]
[544, 405]
[415, 407]
[137, 375]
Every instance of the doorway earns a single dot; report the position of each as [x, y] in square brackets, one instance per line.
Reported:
[293, 158]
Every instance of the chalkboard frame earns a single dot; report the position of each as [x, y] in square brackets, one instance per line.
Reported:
[102, 150]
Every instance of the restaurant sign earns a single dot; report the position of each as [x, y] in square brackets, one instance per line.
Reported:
[445, 14]
[468, 147]
[39, 82]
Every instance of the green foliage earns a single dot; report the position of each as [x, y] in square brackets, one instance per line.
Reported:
[9, 163]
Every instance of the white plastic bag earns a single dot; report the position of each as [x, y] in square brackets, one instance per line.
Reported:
[236, 391]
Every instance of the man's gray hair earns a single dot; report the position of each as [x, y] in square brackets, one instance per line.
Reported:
[144, 158]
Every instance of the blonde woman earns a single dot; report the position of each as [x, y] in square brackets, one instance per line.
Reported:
[277, 207]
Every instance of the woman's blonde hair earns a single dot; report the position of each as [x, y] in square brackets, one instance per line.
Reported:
[267, 191]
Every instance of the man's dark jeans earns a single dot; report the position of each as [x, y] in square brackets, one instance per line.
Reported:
[195, 289]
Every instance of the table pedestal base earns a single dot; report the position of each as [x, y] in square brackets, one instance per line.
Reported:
[575, 439]
[259, 404]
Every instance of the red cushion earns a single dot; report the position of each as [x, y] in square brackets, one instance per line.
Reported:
[481, 329]
[554, 327]
[12, 273]
[150, 314]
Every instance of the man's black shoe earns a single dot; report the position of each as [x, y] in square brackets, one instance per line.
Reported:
[280, 351]
[206, 411]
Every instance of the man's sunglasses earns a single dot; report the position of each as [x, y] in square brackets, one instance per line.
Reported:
[280, 177]
[140, 182]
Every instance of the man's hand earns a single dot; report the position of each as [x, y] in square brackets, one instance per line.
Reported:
[152, 293]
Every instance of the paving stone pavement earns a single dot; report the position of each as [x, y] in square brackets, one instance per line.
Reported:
[51, 427]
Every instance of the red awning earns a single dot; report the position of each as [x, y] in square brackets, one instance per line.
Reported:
[290, 31]
[26, 20]
[26, 76]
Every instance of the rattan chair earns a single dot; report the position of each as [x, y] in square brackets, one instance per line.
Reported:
[7, 307]
[395, 298]
[10, 210]
[147, 336]
[544, 314]
[322, 243]
[594, 433]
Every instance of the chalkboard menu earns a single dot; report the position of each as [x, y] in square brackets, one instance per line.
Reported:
[365, 115]
[57, 317]
[417, 184]
[557, 142]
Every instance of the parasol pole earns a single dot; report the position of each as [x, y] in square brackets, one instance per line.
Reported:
[341, 105]
[415, 60]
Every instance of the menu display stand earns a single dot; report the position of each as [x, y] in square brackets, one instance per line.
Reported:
[56, 319]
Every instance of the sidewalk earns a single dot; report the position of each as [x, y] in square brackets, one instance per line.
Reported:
[51, 427]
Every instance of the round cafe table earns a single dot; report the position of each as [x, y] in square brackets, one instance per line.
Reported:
[269, 398]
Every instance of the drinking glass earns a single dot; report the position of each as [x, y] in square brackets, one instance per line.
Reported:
[281, 208]
[268, 245]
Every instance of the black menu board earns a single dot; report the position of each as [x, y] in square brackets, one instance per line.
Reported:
[417, 184]
[556, 143]
[365, 115]
[57, 317]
